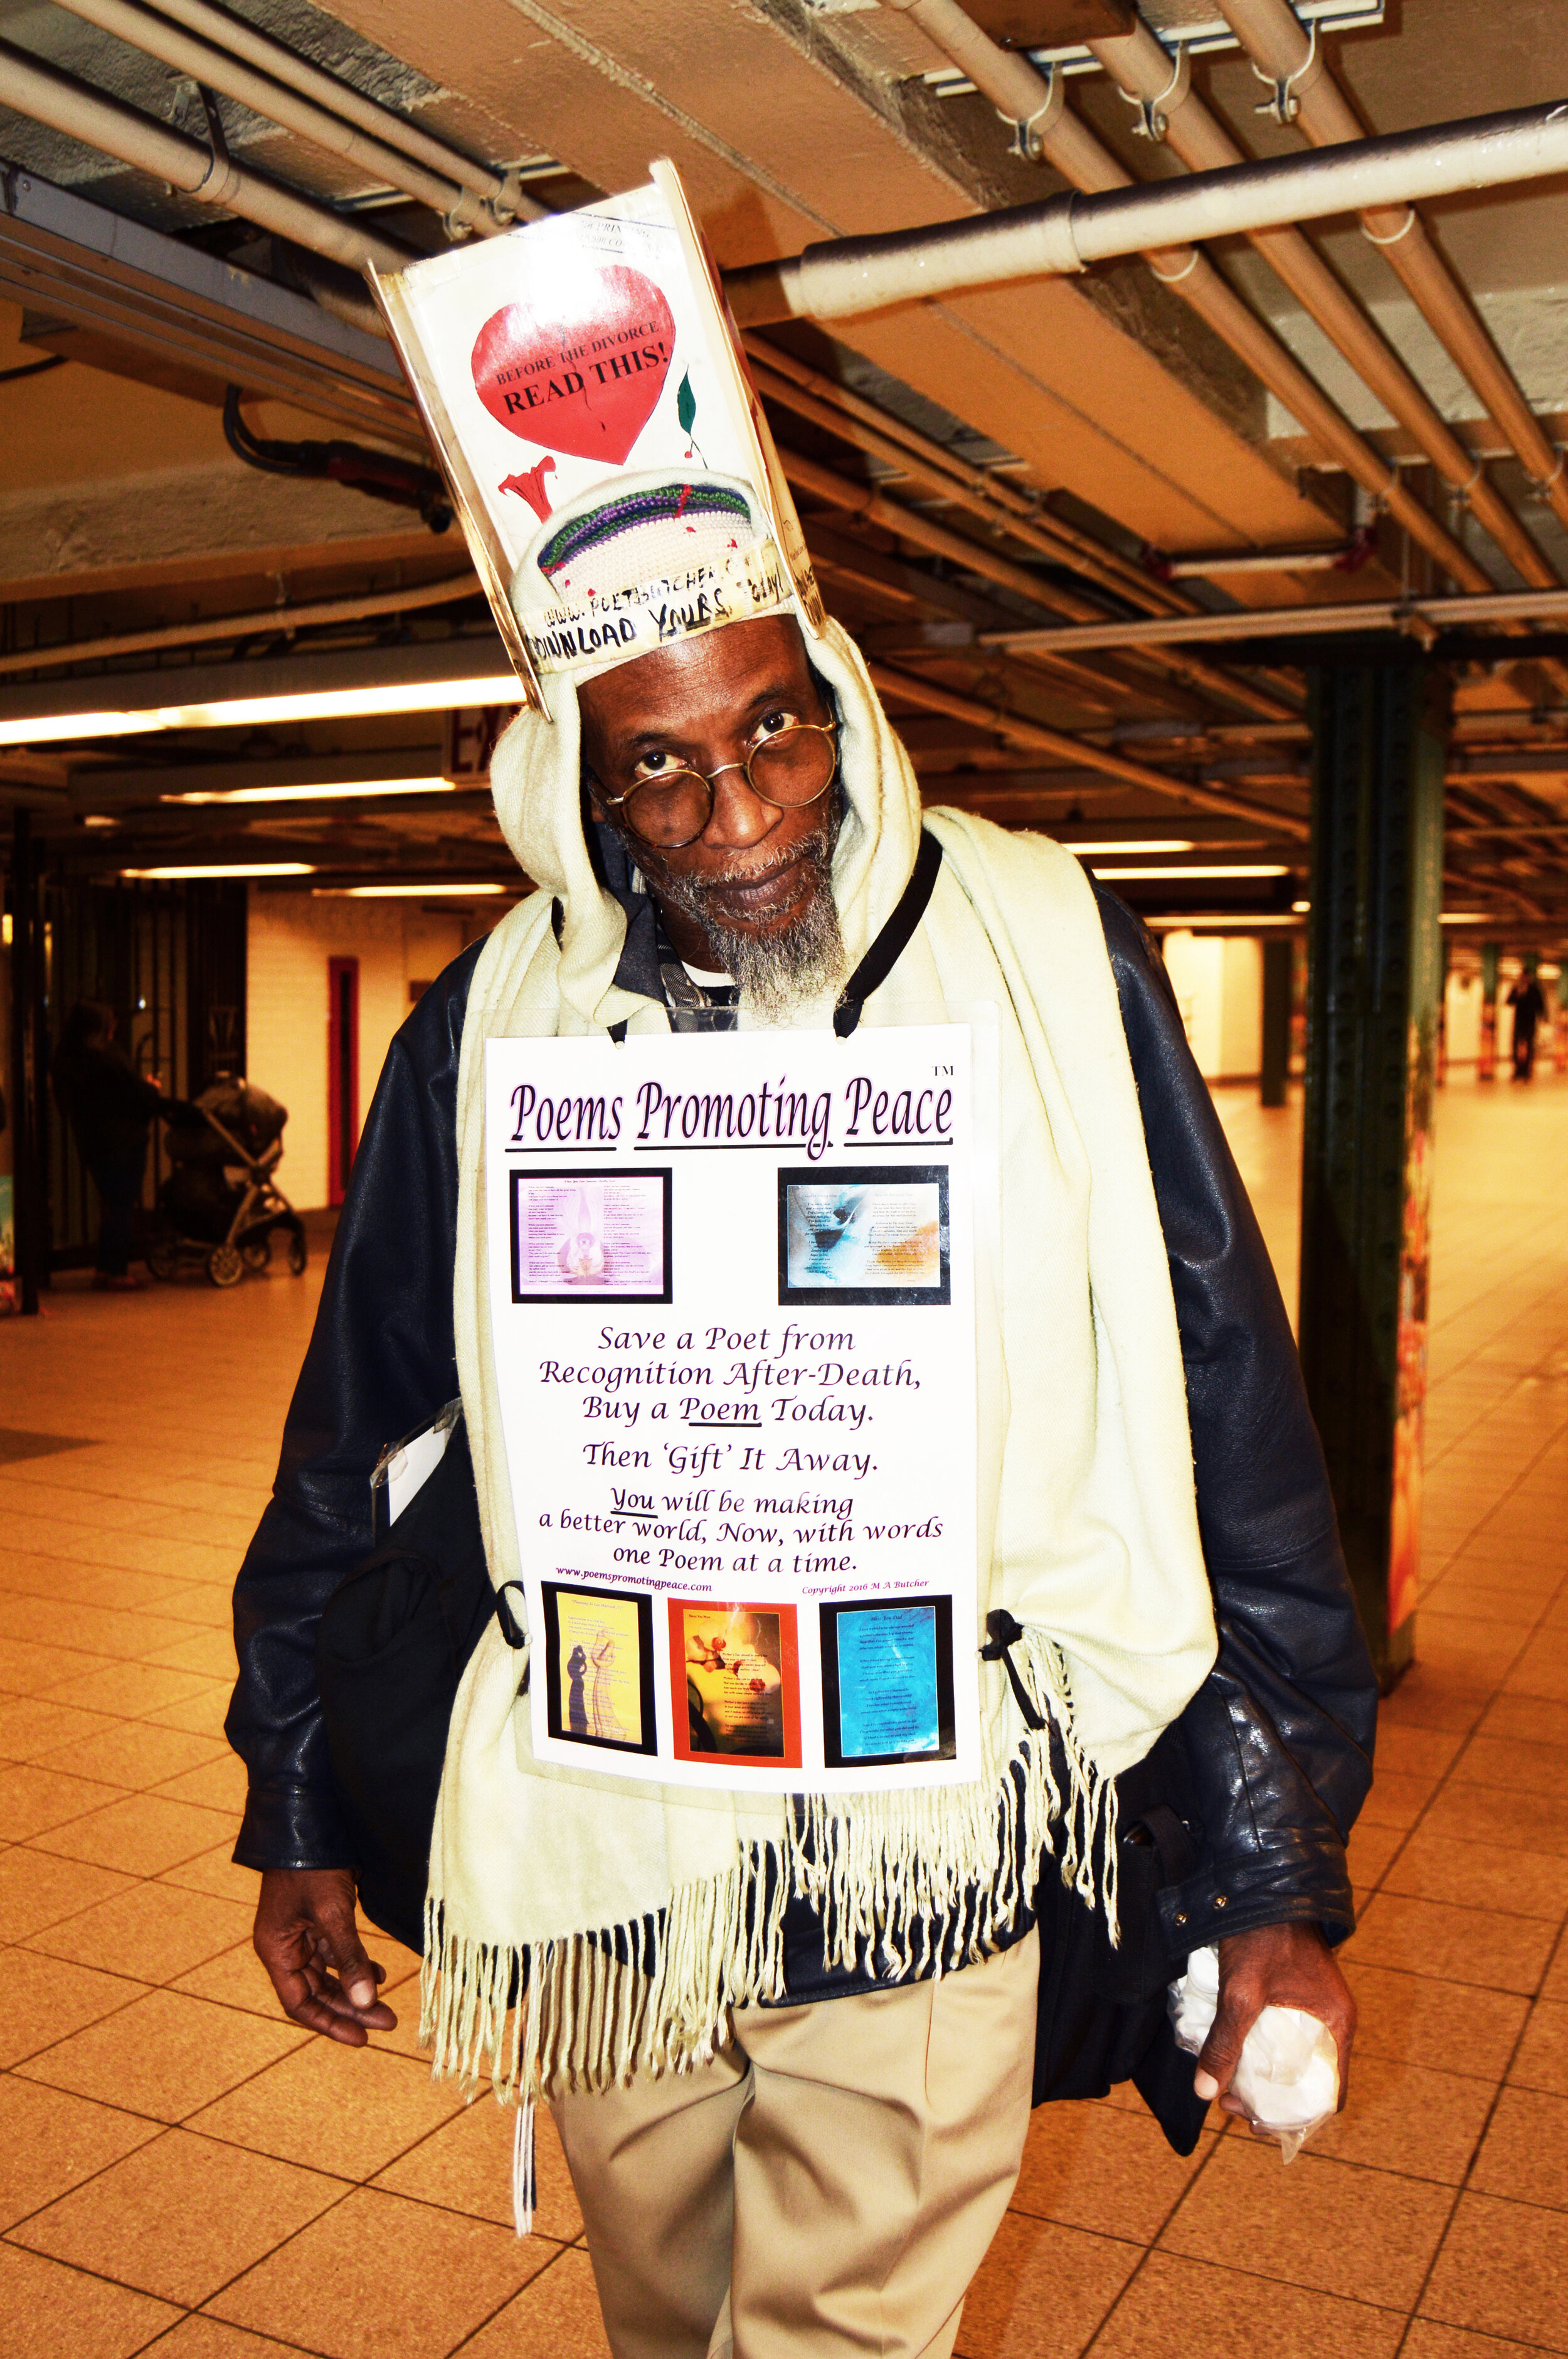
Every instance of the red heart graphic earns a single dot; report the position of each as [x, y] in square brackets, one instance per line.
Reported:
[586, 379]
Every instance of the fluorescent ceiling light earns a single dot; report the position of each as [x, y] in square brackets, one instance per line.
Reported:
[1255, 868]
[247, 712]
[1463, 918]
[404, 892]
[1300, 907]
[1239, 922]
[223, 868]
[317, 794]
[1155, 843]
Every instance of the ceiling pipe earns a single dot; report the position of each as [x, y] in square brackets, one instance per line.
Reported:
[215, 68]
[502, 191]
[1307, 94]
[266, 624]
[79, 112]
[924, 532]
[1422, 618]
[1173, 112]
[1046, 132]
[1076, 751]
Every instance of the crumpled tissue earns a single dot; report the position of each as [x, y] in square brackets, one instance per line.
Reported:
[1288, 2078]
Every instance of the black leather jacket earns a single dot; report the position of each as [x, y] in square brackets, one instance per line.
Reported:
[1280, 1734]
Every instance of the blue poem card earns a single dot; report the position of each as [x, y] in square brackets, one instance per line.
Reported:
[887, 1682]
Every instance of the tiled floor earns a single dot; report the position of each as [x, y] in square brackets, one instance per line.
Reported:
[181, 2171]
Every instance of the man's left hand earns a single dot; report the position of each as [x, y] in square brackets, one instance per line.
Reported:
[1277, 1966]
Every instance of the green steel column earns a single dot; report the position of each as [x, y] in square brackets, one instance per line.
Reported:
[1379, 739]
[1278, 952]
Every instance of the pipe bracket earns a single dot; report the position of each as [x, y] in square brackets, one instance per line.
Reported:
[1403, 230]
[1152, 121]
[1029, 133]
[1283, 104]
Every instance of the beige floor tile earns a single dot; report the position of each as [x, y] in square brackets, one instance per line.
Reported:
[210, 1652]
[1426, 2340]
[1435, 1867]
[1541, 1670]
[1398, 1798]
[214, 1871]
[51, 2312]
[32, 1727]
[236, 1977]
[200, 1711]
[143, 1832]
[27, 1670]
[51, 2141]
[1416, 1752]
[1510, 1766]
[1427, 1699]
[1178, 2310]
[555, 2317]
[345, 2110]
[1466, 1945]
[133, 1755]
[182, 2216]
[1541, 2061]
[34, 1800]
[1452, 2026]
[166, 2055]
[1409, 2118]
[44, 1999]
[466, 2166]
[132, 1689]
[1042, 2289]
[209, 2338]
[1371, 1850]
[1528, 1720]
[1555, 1986]
[1501, 2271]
[37, 1891]
[1087, 2165]
[1366, 2234]
[1525, 2153]
[152, 1931]
[218, 1784]
[1508, 1821]
[378, 2274]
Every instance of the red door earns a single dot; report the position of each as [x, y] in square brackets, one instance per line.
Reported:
[343, 1074]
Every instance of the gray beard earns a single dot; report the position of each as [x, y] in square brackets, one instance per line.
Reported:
[776, 973]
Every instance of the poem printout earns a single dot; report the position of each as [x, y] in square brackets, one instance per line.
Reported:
[732, 1296]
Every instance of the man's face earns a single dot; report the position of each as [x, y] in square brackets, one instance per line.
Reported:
[701, 703]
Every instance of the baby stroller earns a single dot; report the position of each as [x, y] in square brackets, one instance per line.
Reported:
[220, 1206]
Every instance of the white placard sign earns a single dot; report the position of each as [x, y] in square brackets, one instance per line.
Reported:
[732, 1296]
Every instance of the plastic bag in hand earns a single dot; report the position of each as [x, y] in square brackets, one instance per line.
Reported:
[1288, 2079]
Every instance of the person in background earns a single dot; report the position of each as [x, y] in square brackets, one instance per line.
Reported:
[110, 1108]
[1529, 1003]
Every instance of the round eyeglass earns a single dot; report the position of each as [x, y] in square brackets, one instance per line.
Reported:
[795, 766]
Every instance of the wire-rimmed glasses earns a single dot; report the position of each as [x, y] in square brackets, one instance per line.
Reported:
[792, 767]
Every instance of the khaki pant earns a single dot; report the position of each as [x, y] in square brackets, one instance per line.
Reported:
[826, 2186]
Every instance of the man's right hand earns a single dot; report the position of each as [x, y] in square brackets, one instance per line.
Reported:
[306, 1939]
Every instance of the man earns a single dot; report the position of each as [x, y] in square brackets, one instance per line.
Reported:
[827, 2179]
[1529, 1003]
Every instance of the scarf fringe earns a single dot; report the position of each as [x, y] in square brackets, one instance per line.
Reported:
[592, 2010]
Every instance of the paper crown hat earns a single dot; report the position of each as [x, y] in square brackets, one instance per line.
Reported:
[582, 384]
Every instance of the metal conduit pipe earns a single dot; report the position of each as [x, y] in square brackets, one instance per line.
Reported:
[991, 565]
[1048, 133]
[1142, 71]
[1202, 676]
[784, 378]
[840, 277]
[1074, 750]
[270, 619]
[140, 29]
[79, 112]
[502, 191]
[1308, 95]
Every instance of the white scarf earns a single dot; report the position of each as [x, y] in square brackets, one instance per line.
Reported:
[542, 1878]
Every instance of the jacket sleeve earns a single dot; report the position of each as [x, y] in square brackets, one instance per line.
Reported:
[1281, 1733]
[381, 1359]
